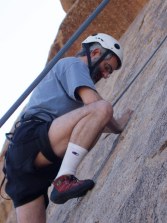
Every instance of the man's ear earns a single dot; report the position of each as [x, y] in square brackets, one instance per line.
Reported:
[96, 52]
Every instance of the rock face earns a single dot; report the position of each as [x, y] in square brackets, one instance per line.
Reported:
[114, 19]
[130, 170]
[6, 209]
[67, 4]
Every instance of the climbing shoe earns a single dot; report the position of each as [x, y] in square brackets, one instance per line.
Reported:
[67, 187]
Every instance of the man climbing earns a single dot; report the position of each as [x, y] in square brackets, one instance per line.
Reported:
[62, 121]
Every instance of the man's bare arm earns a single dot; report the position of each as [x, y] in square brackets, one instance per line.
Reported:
[114, 126]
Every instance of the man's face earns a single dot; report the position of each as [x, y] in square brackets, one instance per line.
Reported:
[104, 69]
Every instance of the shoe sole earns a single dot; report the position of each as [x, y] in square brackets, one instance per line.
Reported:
[61, 198]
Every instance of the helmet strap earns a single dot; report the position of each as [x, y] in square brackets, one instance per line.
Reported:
[100, 60]
[87, 49]
[90, 66]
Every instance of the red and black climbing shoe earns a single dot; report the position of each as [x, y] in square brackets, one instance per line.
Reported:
[67, 187]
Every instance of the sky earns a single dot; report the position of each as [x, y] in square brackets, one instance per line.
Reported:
[28, 28]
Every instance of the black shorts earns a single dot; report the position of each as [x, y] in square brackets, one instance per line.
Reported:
[26, 182]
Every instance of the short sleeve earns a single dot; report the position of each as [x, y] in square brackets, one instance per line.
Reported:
[74, 76]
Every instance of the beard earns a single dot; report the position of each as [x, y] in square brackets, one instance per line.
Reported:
[96, 72]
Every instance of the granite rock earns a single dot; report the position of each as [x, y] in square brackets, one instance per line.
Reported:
[130, 170]
[67, 4]
[114, 19]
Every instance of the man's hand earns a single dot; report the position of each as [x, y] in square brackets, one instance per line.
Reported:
[117, 126]
[124, 119]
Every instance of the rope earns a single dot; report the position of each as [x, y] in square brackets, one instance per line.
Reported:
[53, 62]
[49, 67]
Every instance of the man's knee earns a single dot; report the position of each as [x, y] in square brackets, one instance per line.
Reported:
[103, 109]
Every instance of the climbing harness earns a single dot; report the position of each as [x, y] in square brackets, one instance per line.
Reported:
[53, 61]
[47, 69]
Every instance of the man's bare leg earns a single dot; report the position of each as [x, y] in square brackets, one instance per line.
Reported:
[84, 126]
[64, 129]
[81, 126]
[32, 212]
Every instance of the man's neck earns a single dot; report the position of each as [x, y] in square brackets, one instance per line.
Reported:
[84, 59]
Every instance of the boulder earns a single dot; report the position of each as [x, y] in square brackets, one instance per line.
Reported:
[7, 213]
[67, 4]
[130, 170]
[114, 19]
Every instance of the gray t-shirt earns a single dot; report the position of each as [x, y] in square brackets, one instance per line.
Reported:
[56, 93]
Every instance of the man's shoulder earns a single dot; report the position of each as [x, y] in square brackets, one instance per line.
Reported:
[70, 60]
[69, 64]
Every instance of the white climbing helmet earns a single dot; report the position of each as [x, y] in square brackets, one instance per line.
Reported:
[107, 42]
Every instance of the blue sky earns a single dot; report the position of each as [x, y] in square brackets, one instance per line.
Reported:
[28, 28]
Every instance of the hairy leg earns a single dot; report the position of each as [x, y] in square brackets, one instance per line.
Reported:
[33, 212]
[82, 126]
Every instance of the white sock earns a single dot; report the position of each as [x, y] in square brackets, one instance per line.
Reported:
[72, 158]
